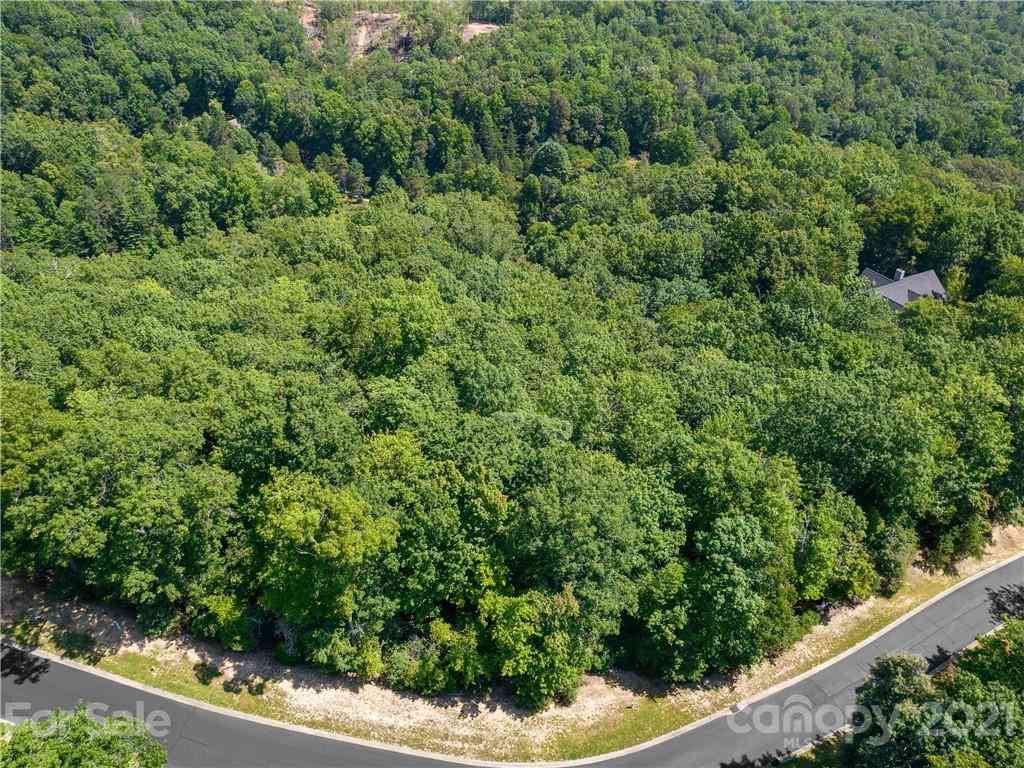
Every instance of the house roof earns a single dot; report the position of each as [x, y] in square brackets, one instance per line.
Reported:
[875, 278]
[910, 288]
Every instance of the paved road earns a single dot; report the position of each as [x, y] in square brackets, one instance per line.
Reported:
[198, 738]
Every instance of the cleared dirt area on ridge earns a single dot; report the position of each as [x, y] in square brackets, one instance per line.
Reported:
[610, 712]
[471, 30]
[309, 17]
[369, 29]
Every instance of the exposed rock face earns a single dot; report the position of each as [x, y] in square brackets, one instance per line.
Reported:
[369, 30]
[309, 17]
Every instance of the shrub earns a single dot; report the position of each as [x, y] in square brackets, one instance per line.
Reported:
[75, 740]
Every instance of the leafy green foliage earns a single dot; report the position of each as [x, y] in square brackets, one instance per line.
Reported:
[512, 359]
[315, 539]
[972, 709]
[536, 644]
[998, 657]
[74, 739]
[551, 159]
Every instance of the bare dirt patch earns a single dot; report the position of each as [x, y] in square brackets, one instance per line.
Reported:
[309, 17]
[651, 716]
[370, 30]
[610, 711]
[485, 725]
[473, 29]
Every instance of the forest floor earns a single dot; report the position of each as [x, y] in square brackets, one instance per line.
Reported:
[611, 711]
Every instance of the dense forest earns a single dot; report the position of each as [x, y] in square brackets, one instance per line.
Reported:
[510, 358]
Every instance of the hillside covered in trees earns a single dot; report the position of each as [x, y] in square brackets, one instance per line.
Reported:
[510, 358]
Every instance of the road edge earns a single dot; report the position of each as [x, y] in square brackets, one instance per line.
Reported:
[439, 756]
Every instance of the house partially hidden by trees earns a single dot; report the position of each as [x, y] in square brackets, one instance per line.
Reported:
[903, 288]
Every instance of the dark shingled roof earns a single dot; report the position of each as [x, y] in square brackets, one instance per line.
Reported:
[875, 278]
[912, 287]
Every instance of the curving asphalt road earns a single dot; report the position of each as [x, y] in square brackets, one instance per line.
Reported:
[781, 721]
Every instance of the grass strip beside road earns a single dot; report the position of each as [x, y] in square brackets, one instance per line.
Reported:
[625, 723]
[658, 715]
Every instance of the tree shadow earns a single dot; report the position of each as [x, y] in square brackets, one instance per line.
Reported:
[22, 666]
[25, 633]
[938, 660]
[474, 704]
[651, 688]
[235, 673]
[251, 684]
[29, 632]
[206, 672]
[80, 646]
[1006, 601]
[768, 758]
